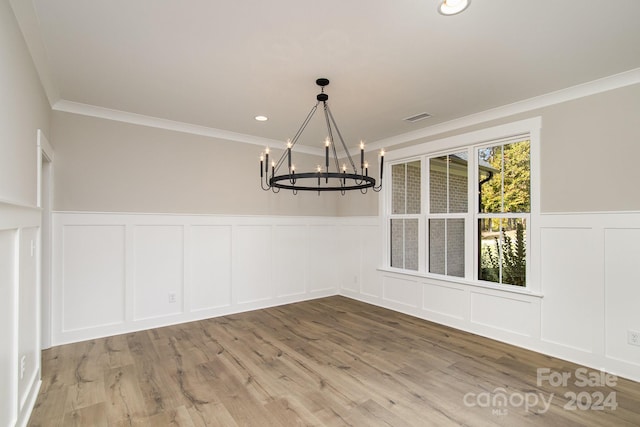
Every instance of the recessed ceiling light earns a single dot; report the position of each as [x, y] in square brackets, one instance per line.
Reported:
[453, 7]
[262, 118]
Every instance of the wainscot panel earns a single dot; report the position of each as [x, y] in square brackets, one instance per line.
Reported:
[93, 276]
[210, 273]
[322, 254]
[349, 237]
[158, 268]
[572, 287]
[445, 300]
[8, 326]
[503, 313]
[28, 314]
[290, 267]
[19, 312]
[406, 292]
[116, 272]
[622, 293]
[587, 265]
[252, 265]
[371, 253]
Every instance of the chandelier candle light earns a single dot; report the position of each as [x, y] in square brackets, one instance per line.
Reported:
[323, 179]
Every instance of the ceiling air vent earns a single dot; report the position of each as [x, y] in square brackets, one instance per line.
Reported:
[417, 117]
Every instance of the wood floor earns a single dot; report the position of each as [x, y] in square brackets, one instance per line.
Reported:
[327, 362]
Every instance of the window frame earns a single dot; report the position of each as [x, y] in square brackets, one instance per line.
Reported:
[477, 215]
[511, 132]
[445, 215]
[419, 216]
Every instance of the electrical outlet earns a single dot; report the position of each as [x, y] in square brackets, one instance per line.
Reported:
[355, 280]
[172, 297]
[23, 366]
[633, 337]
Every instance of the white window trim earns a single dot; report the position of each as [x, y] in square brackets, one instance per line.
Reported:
[389, 214]
[426, 208]
[531, 127]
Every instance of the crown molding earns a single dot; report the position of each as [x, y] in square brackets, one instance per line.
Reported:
[155, 122]
[27, 20]
[594, 87]
[605, 84]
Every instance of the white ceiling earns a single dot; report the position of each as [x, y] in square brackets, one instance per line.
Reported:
[220, 63]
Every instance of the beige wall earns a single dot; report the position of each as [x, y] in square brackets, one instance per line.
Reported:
[110, 166]
[589, 147]
[589, 152]
[23, 110]
[355, 203]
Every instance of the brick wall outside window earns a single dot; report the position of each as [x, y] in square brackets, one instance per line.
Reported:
[446, 236]
[454, 246]
[438, 192]
[405, 183]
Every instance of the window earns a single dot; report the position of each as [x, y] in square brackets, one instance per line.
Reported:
[448, 204]
[405, 208]
[503, 212]
[463, 212]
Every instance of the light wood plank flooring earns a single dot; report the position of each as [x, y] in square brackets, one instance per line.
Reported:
[327, 362]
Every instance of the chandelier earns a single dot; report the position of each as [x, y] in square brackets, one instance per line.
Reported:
[323, 178]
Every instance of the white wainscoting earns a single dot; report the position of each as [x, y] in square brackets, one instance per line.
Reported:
[113, 273]
[19, 312]
[117, 273]
[622, 291]
[99, 249]
[589, 268]
[590, 284]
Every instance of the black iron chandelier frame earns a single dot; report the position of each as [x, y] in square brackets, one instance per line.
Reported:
[323, 179]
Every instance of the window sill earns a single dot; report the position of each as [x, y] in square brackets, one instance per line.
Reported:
[459, 281]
